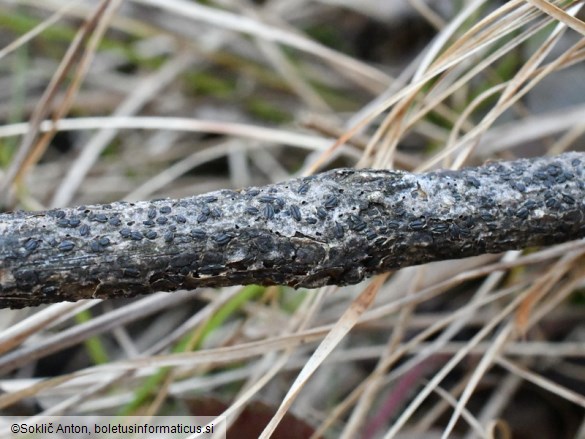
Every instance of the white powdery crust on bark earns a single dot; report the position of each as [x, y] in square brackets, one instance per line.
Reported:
[337, 227]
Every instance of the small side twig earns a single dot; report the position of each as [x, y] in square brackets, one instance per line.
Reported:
[337, 227]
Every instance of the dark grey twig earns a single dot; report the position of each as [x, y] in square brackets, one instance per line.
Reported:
[333, 228]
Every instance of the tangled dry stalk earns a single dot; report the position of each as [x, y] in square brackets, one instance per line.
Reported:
[334, 228]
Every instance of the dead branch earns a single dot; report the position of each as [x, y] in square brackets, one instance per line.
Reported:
[337, 227]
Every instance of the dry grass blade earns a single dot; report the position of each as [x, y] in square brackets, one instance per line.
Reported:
[368, 76]
[522, 316]
[466, 414]
[480, 370]
[420, 397]
[345, 323]
[83, 331]
[541, 381]
[373, 384]
[16, 334]
[29, 153]
[20, 41]
[146, 90]
[560, 15]
[542, 287]
[300, 140]
[403, 350]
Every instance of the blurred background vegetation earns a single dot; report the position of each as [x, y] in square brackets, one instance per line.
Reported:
[171, 98]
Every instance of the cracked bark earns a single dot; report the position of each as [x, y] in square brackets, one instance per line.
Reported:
[337, 227]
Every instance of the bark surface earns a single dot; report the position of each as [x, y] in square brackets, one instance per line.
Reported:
[337, 227]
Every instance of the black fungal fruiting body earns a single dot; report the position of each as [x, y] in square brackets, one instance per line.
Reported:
[333, 228]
